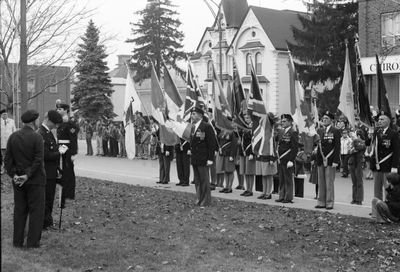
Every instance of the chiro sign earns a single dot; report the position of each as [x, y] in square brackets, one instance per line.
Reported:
[390, 65]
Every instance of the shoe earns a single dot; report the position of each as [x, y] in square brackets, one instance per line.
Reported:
[49, 228]
[320, 207]
[239, 187]
[244, 193]
[223, 190]
[228, 191]
[185, 184]
[165, 182]
[358, 203]
[287, 201]
[159, 182]
[249, 194]
[211, 188]
[329, 208]
[279, 200]
[192, 182]
[179, 184]
[353, 202]
[261, 196]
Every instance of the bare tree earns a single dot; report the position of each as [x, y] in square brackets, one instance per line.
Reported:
[53, 29]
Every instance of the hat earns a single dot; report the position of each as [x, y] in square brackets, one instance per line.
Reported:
[393, 178]
[198, 110]
[287, 117]
[329, 114]
[63, 106]
[385, 113]
[29, 116]
[2, 111]
[54, 116]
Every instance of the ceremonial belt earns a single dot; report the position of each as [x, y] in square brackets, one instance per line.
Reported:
[185, 142]
[383, 160]
[325, 158]
[226, 144]
[248, 147]
[64, 141]
[283, 155]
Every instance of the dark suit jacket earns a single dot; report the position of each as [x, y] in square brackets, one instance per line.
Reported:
[286, 141]
[330, 140]
[203, 144]
[24, 155]
[182, 147]
[229, 145]
[51, 154]
[387, 143]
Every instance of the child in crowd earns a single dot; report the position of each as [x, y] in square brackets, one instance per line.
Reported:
[345, 146]
[389, 210]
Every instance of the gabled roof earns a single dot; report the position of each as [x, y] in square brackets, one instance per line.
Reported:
[277, 24]
[250, 45]
[234, 11]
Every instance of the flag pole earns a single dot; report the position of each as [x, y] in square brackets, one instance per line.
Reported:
[140, 97]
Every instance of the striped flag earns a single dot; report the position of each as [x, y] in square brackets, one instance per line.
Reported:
[175, 104]
[132, 104]
[262, 142]
[194, 96]
[158, 110]
[239, 105]
[346, 102]
[383, 101]
[222, 113]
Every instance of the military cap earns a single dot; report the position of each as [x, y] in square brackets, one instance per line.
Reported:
[54, 117]
[29, 116]
[63, 106]
[329, 114]
[287, 117]
[2, 111]
[393, 178]
[385, 113]
[198, 110]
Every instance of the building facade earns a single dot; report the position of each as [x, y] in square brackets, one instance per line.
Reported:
[379, 33]
[249, 35]
[46, 84]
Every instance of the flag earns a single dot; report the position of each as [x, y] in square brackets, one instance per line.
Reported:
[132, 104]
[158, 110]
[262, 142]
[222, 113]
[302, 115]
[239, 105]
[194, 96]
[346, 102]
[383, 101]
[362, 95]
[175, 104]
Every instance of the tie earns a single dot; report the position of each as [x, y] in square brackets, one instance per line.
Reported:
[192, 130]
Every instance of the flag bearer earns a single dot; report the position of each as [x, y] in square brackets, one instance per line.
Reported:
[228, 152]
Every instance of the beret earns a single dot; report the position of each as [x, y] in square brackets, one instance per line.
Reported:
[393, 178]
[29, 116]
[2, 111]
[287, 117]
[198, 110]
[329, 114]
[385, 113]
[54, 117]
[63, 106]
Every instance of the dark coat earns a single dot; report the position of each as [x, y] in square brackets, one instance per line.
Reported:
[288, 141]
[182, 147]
[229, 145]
[387, 143]
[330, 140]
[51, 154]
[393, 200]
[202, 144]
[24, 155]
[246, 145]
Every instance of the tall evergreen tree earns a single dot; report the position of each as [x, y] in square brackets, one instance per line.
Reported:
[156, 38]
[320, 46]
[92, 92]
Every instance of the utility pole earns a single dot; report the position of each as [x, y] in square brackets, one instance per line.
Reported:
[220, 47]
[23, 59]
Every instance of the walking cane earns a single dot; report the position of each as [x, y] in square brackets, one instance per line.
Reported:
[60, 204]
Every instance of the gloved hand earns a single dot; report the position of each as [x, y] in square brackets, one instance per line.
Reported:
[289, 164]
[251, 157]
[62, 149]
[334, 165]
[209, 163]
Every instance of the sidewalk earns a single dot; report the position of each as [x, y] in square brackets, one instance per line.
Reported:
[145, 173]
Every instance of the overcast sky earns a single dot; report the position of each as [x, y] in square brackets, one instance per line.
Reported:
[113, 17]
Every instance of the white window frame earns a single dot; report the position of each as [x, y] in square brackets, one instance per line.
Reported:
[390, 29]
[53, 89]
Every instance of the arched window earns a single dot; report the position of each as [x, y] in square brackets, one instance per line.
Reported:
[209, 69]
[258, 64]
[248, 64]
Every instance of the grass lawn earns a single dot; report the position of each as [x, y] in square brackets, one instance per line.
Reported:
[119, 227]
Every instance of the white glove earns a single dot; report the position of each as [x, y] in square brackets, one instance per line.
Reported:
[289, 164]
[334, 165]
[209, 163]
[251, 157]
[62, 149]
[189, 152]
[230, 158]
[166, 153]
[394, 170]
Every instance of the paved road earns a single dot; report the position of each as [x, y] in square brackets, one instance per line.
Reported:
[145, 173]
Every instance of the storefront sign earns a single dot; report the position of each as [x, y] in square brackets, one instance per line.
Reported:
[390, 65]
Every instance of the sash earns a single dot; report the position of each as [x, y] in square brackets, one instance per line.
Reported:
[325, 158]
[283, 155]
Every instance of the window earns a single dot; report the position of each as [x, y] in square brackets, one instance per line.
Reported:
[248, 64]
[258, 64]
[53, 89]
[390, 29]
[209, 69]
[31, 86]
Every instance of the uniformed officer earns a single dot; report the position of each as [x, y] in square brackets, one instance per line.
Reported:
[67, 134]
[182, 150]
[328, 157]
[385, 152]
[165, 156]
[202, 145]
[24, 164]
[286, 153]
[52, 152]
[228, 152]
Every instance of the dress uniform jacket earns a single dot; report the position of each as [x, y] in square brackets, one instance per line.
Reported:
[287, 142]
[229, 145]
[67, 134]
[246, 143]
[388, 143]
[203, 144]
[51, 154]
[330, 141]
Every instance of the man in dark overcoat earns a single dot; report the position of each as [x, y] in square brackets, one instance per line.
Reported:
[202, 145]
[182, 150]
[24, 164]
